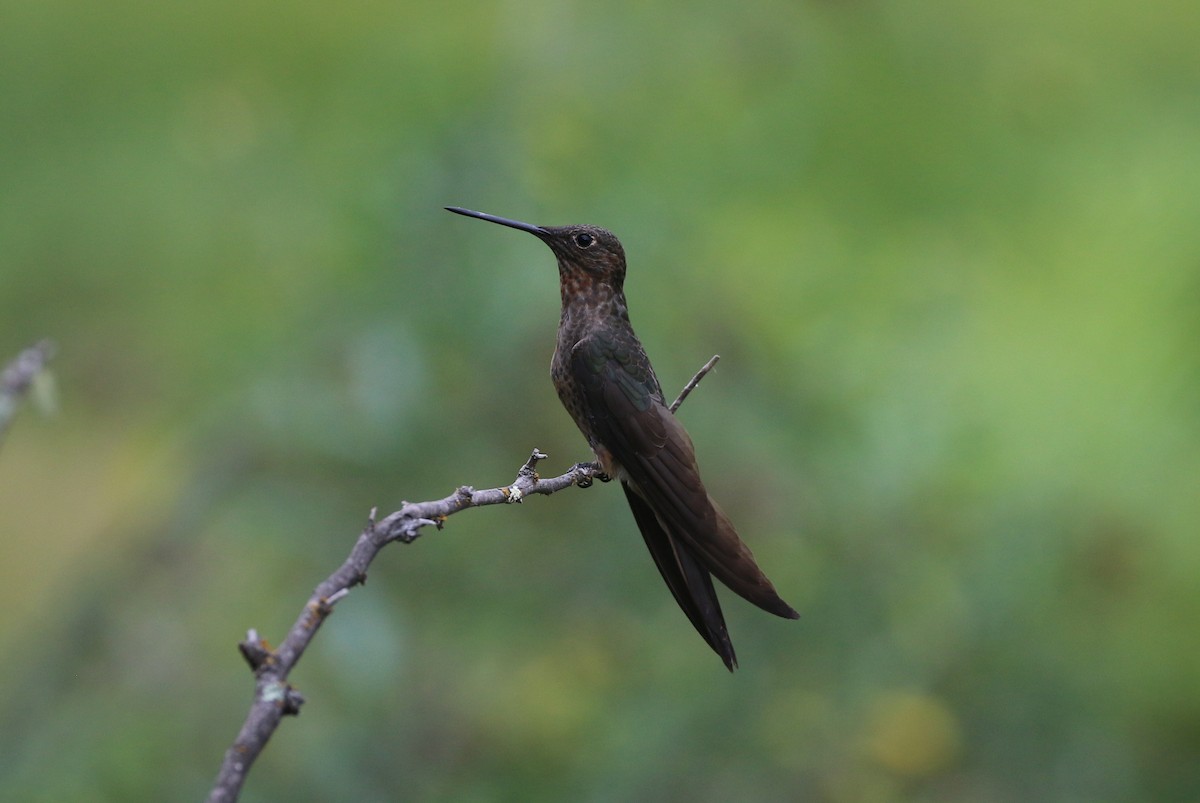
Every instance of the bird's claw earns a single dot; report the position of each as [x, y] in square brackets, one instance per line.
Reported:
[587, 473]
[583, 474]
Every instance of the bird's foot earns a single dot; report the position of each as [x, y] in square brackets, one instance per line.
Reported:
[587, 473]
[583, 474]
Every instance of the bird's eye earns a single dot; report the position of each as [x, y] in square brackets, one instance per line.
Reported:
[584, 240]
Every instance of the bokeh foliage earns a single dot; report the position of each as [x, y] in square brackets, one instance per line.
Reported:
[948, 252]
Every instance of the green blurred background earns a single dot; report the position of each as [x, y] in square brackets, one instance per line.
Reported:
[948, 252]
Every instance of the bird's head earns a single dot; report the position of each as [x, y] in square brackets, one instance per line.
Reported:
[588, 256]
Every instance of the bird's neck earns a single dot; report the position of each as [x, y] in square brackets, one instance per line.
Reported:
[595, 306]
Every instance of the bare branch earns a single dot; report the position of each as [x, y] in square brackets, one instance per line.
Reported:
[274, 697]
[690, 386]
[18, 376]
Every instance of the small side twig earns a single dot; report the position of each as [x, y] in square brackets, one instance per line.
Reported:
[274, 697]
[18, 376]
[695, 380]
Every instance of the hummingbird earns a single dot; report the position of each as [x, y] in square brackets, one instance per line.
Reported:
[605, 381]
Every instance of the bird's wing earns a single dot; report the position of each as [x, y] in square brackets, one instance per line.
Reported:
[628, 416]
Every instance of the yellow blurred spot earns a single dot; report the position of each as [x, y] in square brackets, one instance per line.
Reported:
[912, 734]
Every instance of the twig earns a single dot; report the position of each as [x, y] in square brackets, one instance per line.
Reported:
[17, 378]
[690, 386]
[274, 697]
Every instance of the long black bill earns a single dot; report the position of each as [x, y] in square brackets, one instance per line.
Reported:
[503, 221]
